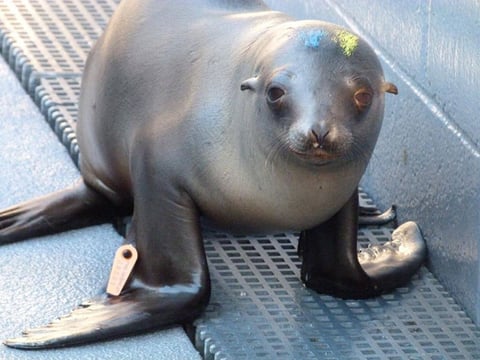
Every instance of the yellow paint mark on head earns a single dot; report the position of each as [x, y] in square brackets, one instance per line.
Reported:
[347, 41]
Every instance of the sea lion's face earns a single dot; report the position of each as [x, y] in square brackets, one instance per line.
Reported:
[323, 90]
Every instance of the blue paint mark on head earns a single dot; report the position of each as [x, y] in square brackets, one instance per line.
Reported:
[313, 38]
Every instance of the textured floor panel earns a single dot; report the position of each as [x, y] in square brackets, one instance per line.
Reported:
[46, 43]
[259, 309]
[55, 35]
[58, 102]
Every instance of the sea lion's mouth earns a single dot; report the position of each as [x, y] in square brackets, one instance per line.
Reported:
[317, 156]
[311, 150]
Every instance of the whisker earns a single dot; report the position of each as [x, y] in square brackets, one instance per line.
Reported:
[280, 146]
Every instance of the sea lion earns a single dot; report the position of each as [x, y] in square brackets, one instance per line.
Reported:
[227, 110]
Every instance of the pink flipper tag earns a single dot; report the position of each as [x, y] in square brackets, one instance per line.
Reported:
[123, 263]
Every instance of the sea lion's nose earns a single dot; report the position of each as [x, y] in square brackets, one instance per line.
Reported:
[317, 136]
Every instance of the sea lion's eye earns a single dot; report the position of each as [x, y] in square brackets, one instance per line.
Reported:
[363, 99]
[274, 94]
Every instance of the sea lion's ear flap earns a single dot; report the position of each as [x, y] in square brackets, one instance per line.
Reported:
[249, 84]
[390, 88]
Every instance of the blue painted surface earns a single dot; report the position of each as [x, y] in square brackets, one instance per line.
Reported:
[313, 38]
[44, 278]
[427, 160]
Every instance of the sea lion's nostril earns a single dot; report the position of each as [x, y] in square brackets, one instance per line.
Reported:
[317, 138]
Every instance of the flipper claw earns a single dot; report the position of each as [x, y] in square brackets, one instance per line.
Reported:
[368, 217]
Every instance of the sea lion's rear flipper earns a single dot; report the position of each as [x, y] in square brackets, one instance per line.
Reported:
[332, 264]
[108, 317]
[67, 209]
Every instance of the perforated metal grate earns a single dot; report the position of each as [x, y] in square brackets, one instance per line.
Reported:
[52, 36]
[259, 309]
[46, 43]
[58, 102]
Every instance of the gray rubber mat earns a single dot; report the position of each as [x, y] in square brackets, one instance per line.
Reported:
[259, 309]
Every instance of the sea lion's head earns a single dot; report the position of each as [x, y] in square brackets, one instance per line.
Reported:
[323, 89]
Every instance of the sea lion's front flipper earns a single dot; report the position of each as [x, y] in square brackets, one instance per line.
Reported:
[392, 264]
[170, 282]
[332, 264]
[87, 323]
[104, 318]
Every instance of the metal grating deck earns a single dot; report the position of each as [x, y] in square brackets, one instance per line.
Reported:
[46, 43]
[259, 309]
